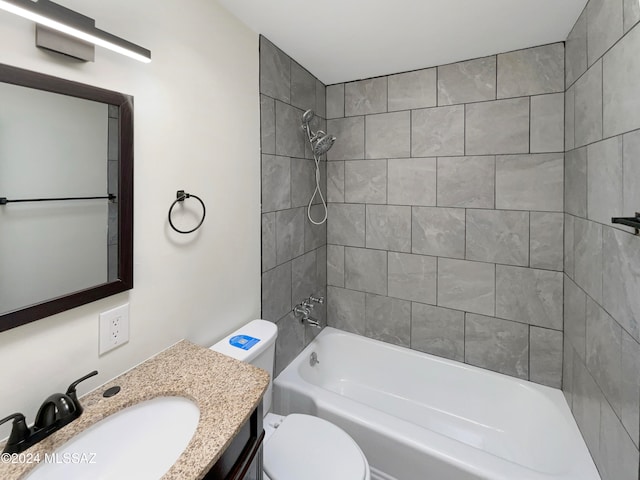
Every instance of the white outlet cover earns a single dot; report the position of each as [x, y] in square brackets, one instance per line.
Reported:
[113, 328]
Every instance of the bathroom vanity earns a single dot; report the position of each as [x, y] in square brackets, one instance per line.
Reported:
[227, 443]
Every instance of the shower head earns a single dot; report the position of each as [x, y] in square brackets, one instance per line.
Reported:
[307, 117]
[320, 141]
[323, 144]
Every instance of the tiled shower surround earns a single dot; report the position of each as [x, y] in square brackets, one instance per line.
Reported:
[445, 217]
[293, 249]
[463, 223]
[602, 262]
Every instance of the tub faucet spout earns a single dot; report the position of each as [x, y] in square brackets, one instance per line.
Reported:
[312, 322]
[304, 311]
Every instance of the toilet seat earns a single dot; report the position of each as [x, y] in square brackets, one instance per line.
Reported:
[310, 448]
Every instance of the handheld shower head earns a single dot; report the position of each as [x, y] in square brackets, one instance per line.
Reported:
[320, 141]
[320, 144]
[307, 117]
[323, 144]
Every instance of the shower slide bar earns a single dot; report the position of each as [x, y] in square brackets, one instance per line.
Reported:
[5, 200]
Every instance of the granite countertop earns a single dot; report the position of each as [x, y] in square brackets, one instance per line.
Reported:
[226, 391]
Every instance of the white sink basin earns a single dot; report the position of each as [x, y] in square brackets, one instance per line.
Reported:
[141, 442]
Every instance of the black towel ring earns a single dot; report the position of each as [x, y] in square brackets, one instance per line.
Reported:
[180, 196]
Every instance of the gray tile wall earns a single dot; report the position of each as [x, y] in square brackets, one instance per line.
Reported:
[601, 261]
[446, 193]
[451, 230]
[294, 252]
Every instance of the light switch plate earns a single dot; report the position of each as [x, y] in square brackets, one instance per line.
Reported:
[114, 328]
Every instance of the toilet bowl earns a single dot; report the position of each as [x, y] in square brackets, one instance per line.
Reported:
[296, 446]
[310, 448]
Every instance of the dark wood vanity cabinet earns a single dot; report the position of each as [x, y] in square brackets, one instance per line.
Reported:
[242, 460]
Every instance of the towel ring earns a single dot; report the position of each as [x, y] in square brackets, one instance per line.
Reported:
[180, 196]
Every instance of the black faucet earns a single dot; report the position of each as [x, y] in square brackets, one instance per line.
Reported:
[57, 411]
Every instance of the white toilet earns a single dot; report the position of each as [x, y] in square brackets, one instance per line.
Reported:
[296, 447]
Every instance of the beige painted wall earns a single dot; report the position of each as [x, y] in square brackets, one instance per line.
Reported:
[196, 128]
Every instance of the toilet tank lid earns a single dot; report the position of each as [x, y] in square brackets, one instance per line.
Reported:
[248, 341]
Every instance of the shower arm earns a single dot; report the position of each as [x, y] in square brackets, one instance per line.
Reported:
[312, 136]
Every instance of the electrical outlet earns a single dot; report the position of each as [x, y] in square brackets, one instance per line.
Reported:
[114, 328]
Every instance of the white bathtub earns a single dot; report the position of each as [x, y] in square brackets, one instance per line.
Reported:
[420, 417]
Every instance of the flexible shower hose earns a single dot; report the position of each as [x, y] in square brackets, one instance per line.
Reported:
[318, 192]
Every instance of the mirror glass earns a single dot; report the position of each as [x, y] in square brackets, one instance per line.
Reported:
[65, 221]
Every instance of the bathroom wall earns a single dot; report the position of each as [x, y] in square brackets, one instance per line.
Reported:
[602, 260]
[445, 216]
[196, 128]
[294, 255]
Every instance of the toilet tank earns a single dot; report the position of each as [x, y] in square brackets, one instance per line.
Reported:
[254, 343]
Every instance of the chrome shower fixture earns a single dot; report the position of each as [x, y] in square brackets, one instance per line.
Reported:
[320, 144]
[323, 143]
[320, 141]
[307, 117]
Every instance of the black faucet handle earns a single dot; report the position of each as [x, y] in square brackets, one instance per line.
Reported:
[19, 431]
[71, 391]
[15, 417]
[72, 387]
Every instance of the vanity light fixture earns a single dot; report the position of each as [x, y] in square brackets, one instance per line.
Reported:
[60, 20]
